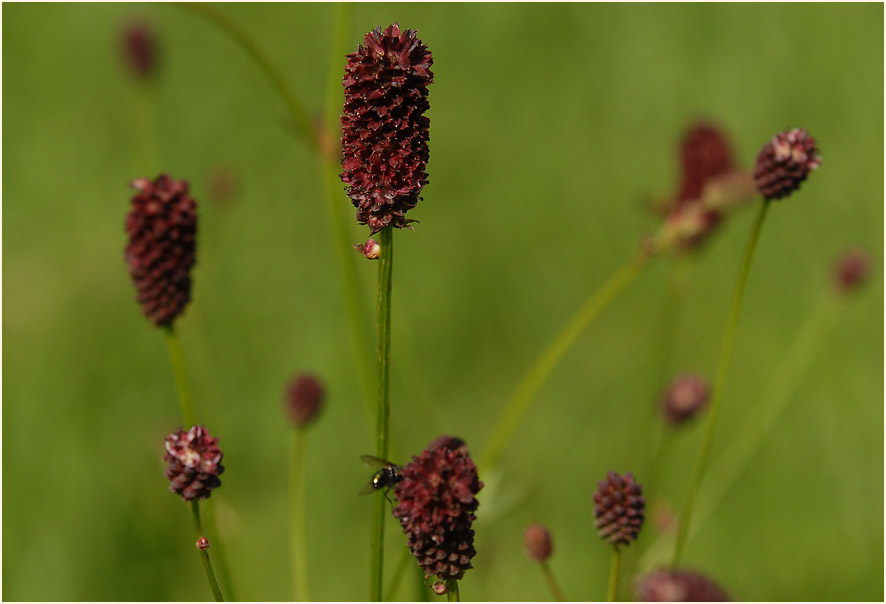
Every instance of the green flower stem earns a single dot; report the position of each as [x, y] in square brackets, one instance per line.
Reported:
[761, 417]
[612, 592]
[552, 583]
[522, 397]
[452, 593]
[385, 266]
[398, 575]
[220, 554]
[204, 553]
[181, 379]
[299, 115]
[297, 518]
[722, 366]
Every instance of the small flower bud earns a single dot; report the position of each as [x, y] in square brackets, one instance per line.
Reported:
[440, 588]
[852, 271]
[684, 398]
[162, 227]
[538, 543]
[784, 163]
[705, 154]
[194, 463]
[370, 250]
[436, 505]
[678, 586]
[619, 507]
[304, 399]
[140, 49]
[202, 543]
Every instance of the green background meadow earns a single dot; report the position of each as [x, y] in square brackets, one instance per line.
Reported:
[551, 128]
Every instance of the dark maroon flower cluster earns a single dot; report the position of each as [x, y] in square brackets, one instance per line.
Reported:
[140, 48]
[684, 398]
[705, 154]
[436, 504]
[852, 270]
[538, 543]
[619, 506]
[384, 130]
[679, 586]
[304, 399]
[194, 463]
[784, 163]
[162, 228]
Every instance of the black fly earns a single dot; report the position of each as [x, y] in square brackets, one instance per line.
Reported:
[386, 476]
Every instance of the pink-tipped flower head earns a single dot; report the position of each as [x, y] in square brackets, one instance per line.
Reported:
[384, 129]
[852, 270]
[538, 543]
[304, 399]
[679, 586]
[618, 507]
[140, 48]
[436, 505]
[684, 398]
[194, 463]
[162, 229]
[784, 163]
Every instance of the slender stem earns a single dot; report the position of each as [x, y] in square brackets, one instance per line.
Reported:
[297, 112]
[722, 366]
[181, 379]
[217, 544]
[552, 583]
[297, 519]
[613, 575]
[520, 400]
[204, 553]
[398, 574]
[452, 590]
[385, 265]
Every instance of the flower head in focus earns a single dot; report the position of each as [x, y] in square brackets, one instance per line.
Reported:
[619, 507]
[785, 162]
[194, 463]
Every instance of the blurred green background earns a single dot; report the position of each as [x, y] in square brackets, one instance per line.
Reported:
[551, 126]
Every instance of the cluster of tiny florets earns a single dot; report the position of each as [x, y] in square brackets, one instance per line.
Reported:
[538, 542]
[619, 507]
[162, 228]
[436, 504]
[304, 399]
[784, 163]
[384, 129]
[679, 586]
[194, 463]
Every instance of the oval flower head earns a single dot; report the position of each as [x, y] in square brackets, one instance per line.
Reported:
[384, 129]
[785, 162]
[194, 463]
[436, 505]
[619, 507]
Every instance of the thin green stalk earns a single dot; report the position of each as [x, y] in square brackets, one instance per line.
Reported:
[722, 366]
[398, 574]
[220, 555]
[612, 592]
[522, 397]
[181, 379]
[385, 266]
[452, 593]
[204, 553]
[297, 112]
[552, 583]
[297, 519]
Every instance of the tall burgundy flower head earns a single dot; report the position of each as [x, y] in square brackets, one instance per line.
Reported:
[194, 463]
[684, 398]
[705, 154]
[679, 586]
[619, 506]
[140, 48]
[384, 130]
[852, 270]
[538, 543]
[162, 228]
[436, 505]
[304, 399]
[785, 162]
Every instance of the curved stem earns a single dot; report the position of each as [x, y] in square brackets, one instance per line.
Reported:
[204, 553]
[452, 594]
[722, 366]
[181, 379]
[612, 592]
[385, 272]
[297, 112]
[522, 397]
[552, 583]
[297, 519]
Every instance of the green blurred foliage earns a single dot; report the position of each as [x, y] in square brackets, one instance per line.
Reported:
[551, 126]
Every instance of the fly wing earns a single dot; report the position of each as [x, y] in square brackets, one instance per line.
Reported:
[375, 462]
[367, 490]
